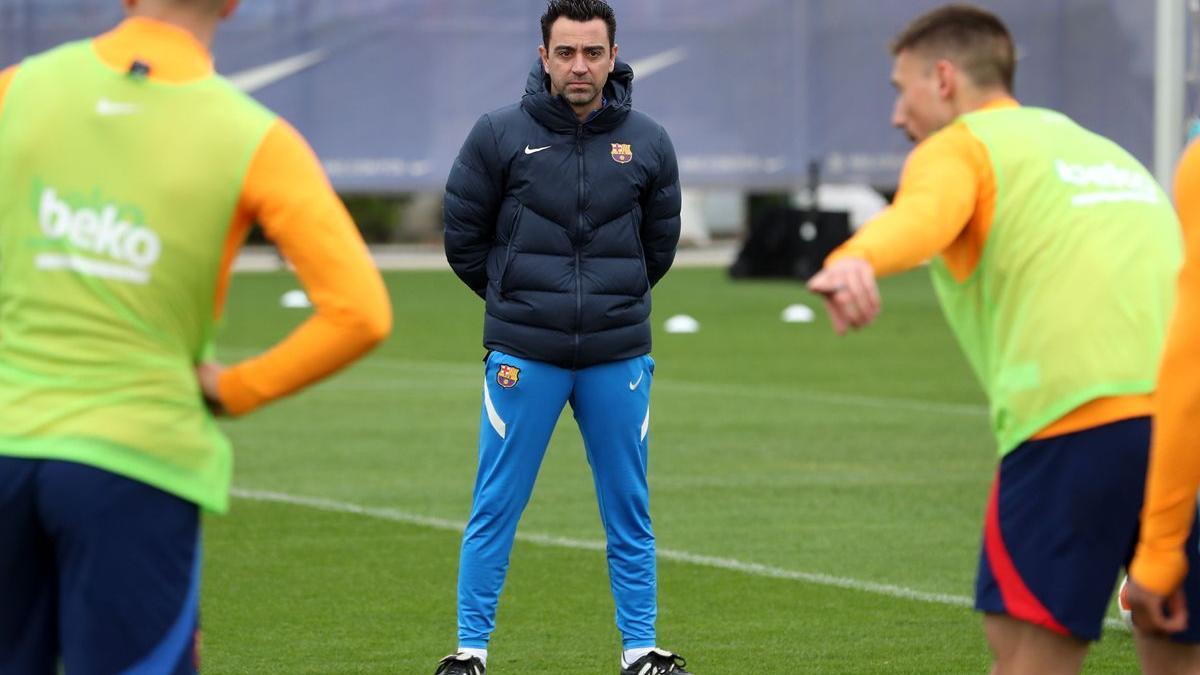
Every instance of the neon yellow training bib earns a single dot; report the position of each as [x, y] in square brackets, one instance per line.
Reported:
[1071, 297]
[117, 199]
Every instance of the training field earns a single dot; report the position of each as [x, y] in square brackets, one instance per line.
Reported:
[817, 500]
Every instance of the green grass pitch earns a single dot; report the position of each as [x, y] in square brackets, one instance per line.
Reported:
[818, 499]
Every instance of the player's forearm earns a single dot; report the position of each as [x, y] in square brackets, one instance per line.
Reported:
[1174, 474]
[901, 238]
[1160, 563]
[318, 348]
[353, 314]
[935, 202]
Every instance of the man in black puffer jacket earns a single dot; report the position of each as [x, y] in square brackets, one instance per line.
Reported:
[562, 211]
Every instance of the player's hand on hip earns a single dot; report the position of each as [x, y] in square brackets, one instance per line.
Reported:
[850, 292]
[1155, 613]
[209, 375]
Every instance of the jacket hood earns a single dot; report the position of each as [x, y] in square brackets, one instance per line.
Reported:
[554, 113]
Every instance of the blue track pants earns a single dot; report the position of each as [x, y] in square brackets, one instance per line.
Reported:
[522, 401]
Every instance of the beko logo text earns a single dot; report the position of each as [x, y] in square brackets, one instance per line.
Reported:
[98, 231]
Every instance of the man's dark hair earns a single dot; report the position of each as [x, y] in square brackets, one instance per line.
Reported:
[578, 10]
[974, 39]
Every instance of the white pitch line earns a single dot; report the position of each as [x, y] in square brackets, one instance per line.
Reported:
[728, 564]
[773, 393]
[827, 398]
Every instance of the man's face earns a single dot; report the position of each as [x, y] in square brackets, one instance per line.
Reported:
[578, 61]
[923, 90]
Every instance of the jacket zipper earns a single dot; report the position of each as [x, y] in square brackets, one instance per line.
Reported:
[577, 238]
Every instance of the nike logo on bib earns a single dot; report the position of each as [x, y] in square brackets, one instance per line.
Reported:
[530, 151]
[107, 108]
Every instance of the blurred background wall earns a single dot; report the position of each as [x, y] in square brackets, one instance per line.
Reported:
[751, 91]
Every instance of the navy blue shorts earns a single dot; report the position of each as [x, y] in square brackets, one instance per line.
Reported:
[1062, 522]
[97, 570]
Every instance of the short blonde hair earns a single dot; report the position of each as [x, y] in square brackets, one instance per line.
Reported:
[973, 38]
[210, 6]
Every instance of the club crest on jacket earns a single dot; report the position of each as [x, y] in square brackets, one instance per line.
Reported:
[622, 153]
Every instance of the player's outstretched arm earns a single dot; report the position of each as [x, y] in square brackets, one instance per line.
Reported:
[288, 194]
[939, 190]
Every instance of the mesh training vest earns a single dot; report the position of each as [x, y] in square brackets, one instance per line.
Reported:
[118, 193]
[1072, 294]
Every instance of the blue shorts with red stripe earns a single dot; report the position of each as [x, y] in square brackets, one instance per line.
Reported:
[1062, 522]
[98, 573]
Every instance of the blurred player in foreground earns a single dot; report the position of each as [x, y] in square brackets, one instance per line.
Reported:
[131, 174]
[1054, 257]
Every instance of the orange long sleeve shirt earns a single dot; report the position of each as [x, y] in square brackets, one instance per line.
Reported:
[944, 206]
[1174, 478]
[285, 190]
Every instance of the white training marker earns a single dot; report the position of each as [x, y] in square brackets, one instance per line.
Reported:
[296, 299]
[682, 323]
[798, 314]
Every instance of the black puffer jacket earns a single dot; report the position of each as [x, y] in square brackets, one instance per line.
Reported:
[564, 227]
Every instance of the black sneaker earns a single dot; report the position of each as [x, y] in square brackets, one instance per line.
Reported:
[657, 662]
[460, 664]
